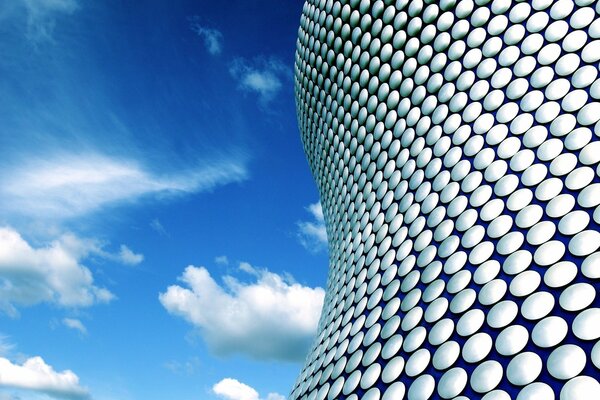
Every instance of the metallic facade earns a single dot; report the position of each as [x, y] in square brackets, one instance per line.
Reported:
[455, 144]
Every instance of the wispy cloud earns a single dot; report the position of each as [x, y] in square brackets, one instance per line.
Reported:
[35, 375]
[158, 227]
[222, 260]
[42, 14]
[313, 234]
[6, 346]
[262, 76]
[271, 318]
[73, 185]
[232, 389]
[52, 273]
[212, 38]
[128, 257]
[188, 367]
[75, 324]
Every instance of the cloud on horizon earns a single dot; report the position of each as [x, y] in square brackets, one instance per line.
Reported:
[272, 318]
[232, 389]
[313, 234]
[73, 185]
[35, 375]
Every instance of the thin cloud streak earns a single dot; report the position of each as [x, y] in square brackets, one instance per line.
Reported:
[212, 38]
[41, 17]
[75, 324]
[73, 185]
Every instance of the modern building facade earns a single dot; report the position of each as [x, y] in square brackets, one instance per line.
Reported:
[455, 144]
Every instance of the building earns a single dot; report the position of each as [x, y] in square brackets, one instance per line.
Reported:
[455, 144]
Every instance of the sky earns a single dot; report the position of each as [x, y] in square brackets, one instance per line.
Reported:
[160, 231]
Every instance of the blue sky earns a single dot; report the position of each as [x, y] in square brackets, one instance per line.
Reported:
[160, 235]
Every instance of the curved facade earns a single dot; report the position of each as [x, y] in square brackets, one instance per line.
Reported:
[455, 144]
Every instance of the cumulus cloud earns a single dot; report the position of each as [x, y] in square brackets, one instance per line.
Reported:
[75, 324]
[212, 38]
[262, 76]
[73, 185]
[52, 273]
[313, 234]
[35, 375]
[270, 318]
[232, 389]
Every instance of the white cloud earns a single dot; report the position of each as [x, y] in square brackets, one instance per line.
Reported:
[222, 260]
[271, 318]
[232, 389]
[75, 324]
[6, 346]
[317, 211]
[188, 367]
[128, 257]
[73, 185]
[158, 227]
[35, 375]
[52, 273]
[313, 234]
[213, 38]
[41, 16]
[261, 76]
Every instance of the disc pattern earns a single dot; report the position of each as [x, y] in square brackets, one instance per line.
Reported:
[455, 145]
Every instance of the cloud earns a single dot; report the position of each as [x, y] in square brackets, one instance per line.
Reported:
[76, 324]
[317, 211]
[213, 38]
[52, 274]
[272, 318]
[313, 234]
[73, 185]
[232, 389]
[34, 374]
[158, 227]
[6, 346]
[222, 260]
[188, 367]
[41, 16]
[262, 76]
[128, 257]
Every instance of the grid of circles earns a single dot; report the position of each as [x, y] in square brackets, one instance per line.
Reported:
[455, 144]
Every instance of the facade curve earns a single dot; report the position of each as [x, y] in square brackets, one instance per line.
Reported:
[456, 148]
